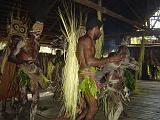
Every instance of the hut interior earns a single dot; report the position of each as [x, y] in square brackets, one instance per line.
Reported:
[126, 22]
[133, 18]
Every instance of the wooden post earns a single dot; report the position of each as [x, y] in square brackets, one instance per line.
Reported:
[141, 59]
[100, 41]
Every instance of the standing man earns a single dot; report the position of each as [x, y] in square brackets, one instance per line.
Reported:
[25, 56]
[88, 63]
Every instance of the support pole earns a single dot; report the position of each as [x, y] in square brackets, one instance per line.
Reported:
[100, 41]
[141, 59]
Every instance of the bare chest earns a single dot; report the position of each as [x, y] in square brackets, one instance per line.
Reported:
[31, 47]
[30, 50]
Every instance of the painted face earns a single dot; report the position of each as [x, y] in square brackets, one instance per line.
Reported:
[97, 33]
[82, 30]
[36, 35]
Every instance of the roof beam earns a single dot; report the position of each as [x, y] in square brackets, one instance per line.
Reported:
[95, 6]
[155, 32]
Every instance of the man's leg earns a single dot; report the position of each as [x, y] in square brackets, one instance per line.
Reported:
[35, 98]
[21, 103]
[82, 109]
[92, 107]
[83, 114]
[3, 106]
[111, 113]
[118, 111]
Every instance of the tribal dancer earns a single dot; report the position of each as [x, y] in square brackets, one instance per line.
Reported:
[25, 56]
[115, 90]
[9, 87]
[24, 51]
[87, 73]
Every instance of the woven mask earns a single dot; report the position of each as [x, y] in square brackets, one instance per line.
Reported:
[17, 27]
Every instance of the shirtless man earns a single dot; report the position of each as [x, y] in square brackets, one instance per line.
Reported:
[87, 61]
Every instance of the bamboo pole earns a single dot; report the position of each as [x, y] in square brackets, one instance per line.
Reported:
[100, 41]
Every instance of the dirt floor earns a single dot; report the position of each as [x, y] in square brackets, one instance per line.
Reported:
[144, 105]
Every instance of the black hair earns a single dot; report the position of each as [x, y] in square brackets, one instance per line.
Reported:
[93, 22]
[112, 54]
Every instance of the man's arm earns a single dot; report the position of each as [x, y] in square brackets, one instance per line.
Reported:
[15, 52]
[90, 57]
[18, 47]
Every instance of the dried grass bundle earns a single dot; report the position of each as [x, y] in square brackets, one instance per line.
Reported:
[71, 82]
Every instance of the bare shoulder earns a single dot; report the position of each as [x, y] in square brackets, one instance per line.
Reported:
[85, 40]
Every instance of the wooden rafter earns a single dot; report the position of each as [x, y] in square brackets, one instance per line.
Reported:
[95, 6]
[149, 32]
